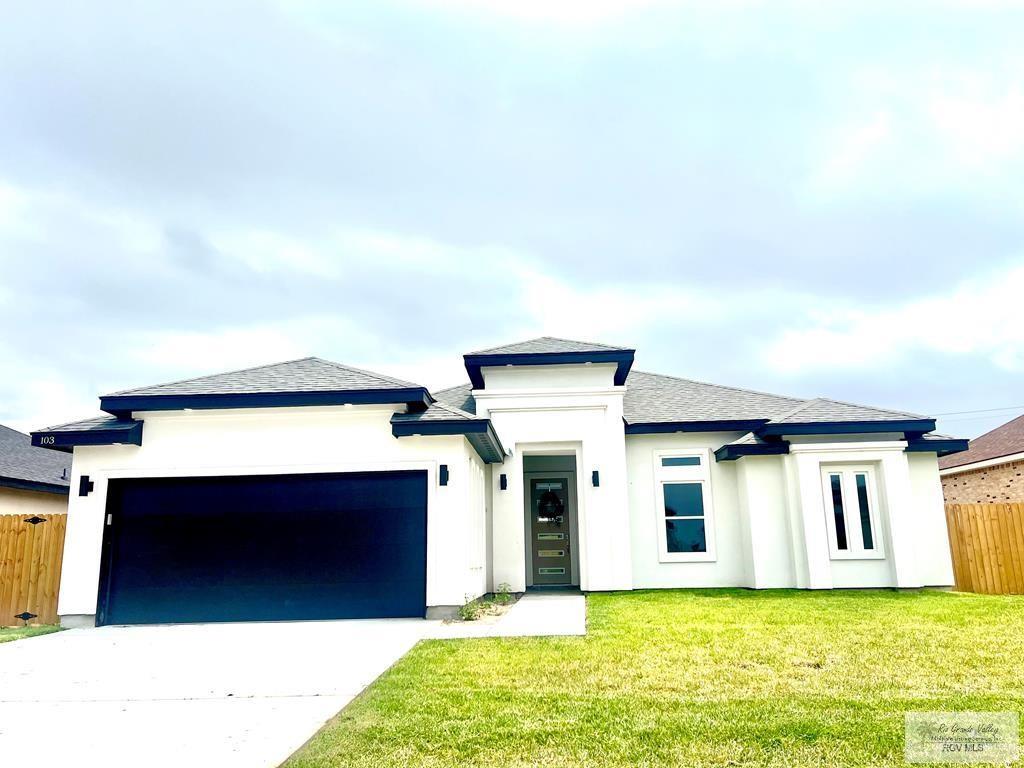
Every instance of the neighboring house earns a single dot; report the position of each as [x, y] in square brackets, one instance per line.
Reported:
[33, 482]
[309, 489]
[990, 471]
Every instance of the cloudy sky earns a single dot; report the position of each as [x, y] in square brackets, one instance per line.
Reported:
[791, 198]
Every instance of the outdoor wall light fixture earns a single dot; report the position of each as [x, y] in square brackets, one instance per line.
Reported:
[595, 478]
[503, 482]
[443, 477]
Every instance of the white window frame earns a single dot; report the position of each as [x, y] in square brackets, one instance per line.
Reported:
[851, 512]
[669, 475]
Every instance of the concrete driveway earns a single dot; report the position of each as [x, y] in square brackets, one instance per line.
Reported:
[206, 694]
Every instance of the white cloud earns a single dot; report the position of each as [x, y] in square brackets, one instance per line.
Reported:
[563, 12]
[978, 317]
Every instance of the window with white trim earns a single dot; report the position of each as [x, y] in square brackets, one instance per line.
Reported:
[683, 506]
[851, 512]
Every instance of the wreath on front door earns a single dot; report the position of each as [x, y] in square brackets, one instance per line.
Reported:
[549, 506]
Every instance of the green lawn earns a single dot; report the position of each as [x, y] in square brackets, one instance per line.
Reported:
[17, 633]
[690, 678]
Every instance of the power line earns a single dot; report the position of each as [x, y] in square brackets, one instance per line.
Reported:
[983, 410]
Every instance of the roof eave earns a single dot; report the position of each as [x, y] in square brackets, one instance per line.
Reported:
[944, 447]
[38, 486]
[662, 427]
[124, 405]
[479, 432]
[66, 440]
[731, 452]
[915, 426]
[623, 358]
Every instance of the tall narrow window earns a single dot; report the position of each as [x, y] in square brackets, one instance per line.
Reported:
[836, 484]
[867, 535]
[851, 512]
[685, 525]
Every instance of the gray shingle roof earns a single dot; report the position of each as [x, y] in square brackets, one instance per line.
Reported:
[823, 409]
[95, 423]
[653, 398]
[439, 411]
[309, 374]
[460, 397]
[19, 460]
[548, 345]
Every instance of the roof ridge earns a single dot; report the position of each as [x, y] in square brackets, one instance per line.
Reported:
[12, 429]
[211, 375]
[720, 386]
[794, 411]
[580, 341]
[454, 410]
[872, 407]
[449, 389]
[372, 374]
[600, 345]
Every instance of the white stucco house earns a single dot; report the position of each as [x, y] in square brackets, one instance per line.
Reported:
[308, 489]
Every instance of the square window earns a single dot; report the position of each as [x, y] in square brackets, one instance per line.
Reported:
[683, 500]
[685, 535]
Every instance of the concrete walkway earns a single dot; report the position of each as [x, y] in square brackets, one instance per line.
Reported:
[536, 614]
[225, 695]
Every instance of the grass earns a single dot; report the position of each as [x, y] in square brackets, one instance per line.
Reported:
[7, 634]
[692, 678]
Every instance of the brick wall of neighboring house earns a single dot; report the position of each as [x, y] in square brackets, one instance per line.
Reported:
[999, 483]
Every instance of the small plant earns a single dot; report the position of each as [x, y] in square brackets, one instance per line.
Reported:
[471, 610]
[503, 594]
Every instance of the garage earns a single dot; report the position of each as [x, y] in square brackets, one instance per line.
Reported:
[264, 548]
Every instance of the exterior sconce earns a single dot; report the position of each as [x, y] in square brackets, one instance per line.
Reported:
[595, 478]
[503, 482]
[443, 478]
[85, 485]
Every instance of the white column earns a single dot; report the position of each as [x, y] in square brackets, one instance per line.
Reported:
[811, 519]
[899, 502]
[508, 525]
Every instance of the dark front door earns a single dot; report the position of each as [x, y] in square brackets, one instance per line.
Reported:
[264, 548]
[551, 540]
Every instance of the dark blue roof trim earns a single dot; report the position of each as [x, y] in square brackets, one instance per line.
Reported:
[479, 432]
[943, 446]
[123, 405]
[661, 427]
[732, 452]
[847, 427]
[126, 432]
[33, 485]
[622, 357]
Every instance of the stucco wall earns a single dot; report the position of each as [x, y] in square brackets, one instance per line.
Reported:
[998, 483]
[728, 567]
[283, 441]
[770, 517]
[568, 410]
[14, 501]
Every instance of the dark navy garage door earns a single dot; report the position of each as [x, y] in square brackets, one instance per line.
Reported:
[264, 548]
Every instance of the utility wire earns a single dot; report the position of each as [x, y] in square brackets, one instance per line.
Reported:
[983, 410]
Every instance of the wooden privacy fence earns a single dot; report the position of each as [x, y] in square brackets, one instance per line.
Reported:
[987, 542]
[31, 549]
